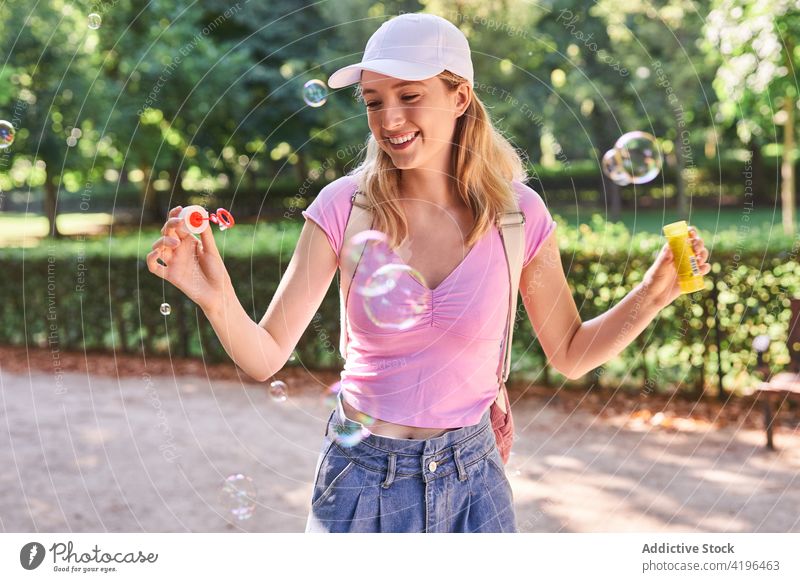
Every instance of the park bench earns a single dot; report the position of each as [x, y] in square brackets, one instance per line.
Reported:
[775, 390]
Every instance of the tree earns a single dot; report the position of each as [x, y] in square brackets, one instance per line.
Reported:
[52, 54]
[756, 40]
[173, 94]
[671, 82]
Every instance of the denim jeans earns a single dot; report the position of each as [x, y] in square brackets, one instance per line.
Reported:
[454, 482]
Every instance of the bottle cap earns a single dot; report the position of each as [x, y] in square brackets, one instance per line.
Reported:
[679, 228]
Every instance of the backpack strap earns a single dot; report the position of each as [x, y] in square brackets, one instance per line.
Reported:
[359, 219]
[512, 234]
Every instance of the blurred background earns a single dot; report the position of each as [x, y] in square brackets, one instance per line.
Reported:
[142, 106]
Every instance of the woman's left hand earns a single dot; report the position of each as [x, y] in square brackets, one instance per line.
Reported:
[661, 278]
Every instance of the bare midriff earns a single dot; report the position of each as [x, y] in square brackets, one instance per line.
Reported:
[392, 430]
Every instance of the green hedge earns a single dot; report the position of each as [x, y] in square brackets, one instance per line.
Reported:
[99, 295]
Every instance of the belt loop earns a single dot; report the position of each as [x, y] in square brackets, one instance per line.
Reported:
[390, 473]
[462, 474]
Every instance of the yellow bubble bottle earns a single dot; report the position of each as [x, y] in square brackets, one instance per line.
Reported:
[689, 277]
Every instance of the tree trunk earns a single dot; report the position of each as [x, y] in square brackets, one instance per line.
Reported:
[787, 159]
[178, 193]
[680, 185]
[50, 206]
[787, 167]
[251, 186]
[758, 171]
[614, 199]
[150, 205]
[301, 167]
[602, 129]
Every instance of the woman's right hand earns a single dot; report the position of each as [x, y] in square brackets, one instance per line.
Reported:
[193, 265]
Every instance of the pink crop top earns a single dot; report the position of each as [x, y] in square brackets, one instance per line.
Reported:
[441, 372]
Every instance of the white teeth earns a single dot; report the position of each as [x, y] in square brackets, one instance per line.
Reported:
[402, 139]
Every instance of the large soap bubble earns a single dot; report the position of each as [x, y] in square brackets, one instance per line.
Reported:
[635, 159]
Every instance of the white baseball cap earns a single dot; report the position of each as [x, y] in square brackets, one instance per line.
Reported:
[411, 47]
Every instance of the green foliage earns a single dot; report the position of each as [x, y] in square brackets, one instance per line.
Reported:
[747, 294]
[206, 97]
[98, 294]
[201, 103]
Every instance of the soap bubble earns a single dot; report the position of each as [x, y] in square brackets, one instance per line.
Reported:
[329, 396]
[349, 434]
[7, 134]
[369, 251]
[315, 93]
[238, 496]
[640, 156]
[277, 390]
[401, 306]
[94, 21]
[165, 309]
[377, 273]
[635, 159]
[612, 167]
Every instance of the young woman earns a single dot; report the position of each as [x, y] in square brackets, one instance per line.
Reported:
[436, 174]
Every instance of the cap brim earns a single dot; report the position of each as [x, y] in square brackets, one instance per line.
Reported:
[399, 69]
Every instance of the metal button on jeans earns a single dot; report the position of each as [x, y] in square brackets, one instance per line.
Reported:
[432, 466]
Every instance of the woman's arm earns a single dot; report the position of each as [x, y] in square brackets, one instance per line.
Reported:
[262, 349]
[574, 347]
[251, 347]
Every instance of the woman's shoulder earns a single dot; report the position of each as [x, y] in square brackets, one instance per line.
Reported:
[335, 199]
[339, 192]
[331, 209]
[539, 222]
[528, 199]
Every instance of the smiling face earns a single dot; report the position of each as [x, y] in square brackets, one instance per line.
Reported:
[420, 114]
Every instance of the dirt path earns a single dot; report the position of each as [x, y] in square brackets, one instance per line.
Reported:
[139, 452]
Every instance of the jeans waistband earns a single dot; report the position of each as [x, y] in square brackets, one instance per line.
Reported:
[449, 452]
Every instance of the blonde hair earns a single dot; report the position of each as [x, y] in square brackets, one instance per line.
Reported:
[483, 165]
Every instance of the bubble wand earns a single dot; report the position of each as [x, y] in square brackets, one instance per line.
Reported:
[196, 218]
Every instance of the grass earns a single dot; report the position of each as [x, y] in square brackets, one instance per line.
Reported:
[28, 229]
[245, 240]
